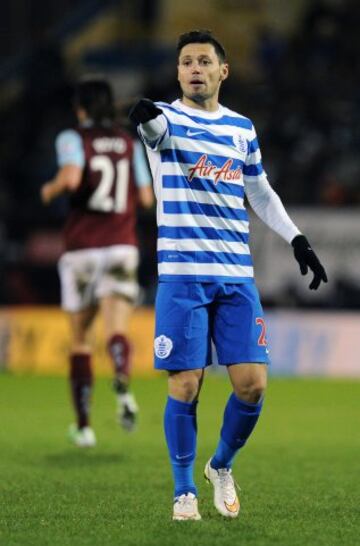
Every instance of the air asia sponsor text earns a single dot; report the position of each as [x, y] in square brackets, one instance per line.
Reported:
[204, 168]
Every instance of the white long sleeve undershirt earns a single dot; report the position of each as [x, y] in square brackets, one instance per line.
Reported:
[153, 131]
[268, 206]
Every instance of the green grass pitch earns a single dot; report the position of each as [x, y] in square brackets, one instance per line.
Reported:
[299, 473]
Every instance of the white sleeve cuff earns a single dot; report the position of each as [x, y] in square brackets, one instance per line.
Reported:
[154, 131]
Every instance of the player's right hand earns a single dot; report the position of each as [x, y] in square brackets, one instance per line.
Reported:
[306, 257]
[144, 111]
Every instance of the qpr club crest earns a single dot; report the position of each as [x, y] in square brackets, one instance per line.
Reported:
[240, 144]
[163, 346]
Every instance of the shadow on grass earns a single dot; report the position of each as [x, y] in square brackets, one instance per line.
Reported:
[71, 459]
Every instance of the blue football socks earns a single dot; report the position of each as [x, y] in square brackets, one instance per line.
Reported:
[239, 421]
[180, 432]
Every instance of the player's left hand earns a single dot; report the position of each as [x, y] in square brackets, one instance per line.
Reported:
[306, 257]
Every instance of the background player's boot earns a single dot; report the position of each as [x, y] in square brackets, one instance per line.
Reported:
[225, 498]
[186, 508]
[82, 437]
[127, 411]
[127, 408]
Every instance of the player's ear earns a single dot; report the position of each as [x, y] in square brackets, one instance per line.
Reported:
[224, 72]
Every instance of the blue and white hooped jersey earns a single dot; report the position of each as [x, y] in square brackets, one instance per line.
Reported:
[201, 165]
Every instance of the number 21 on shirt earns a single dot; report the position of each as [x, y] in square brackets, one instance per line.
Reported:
[111, 173]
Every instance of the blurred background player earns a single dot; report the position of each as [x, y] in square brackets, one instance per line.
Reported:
[105, 172]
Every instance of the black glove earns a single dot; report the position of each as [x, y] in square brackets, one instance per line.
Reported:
[144, 111]
[305, 255]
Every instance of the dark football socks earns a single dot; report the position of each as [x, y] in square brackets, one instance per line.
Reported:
[119, 349]
[81, 386]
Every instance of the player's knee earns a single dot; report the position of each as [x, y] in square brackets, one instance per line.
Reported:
[252, 392]
[189, 389]
[184, 387]
[256, 393]
[80, 346]
[79, 337]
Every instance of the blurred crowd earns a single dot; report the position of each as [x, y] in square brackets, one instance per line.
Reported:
[304, 102]
[311, 107]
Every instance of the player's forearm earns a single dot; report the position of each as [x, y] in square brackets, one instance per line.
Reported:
[67, 179]
[146, 197]
[268, 206]
[52, 189]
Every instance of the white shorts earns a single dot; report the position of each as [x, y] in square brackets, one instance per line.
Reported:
[92, 273]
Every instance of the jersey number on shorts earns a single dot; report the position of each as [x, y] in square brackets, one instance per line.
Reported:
[111, 173]
[262, 336]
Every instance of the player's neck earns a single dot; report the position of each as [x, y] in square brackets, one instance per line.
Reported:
[209, 105]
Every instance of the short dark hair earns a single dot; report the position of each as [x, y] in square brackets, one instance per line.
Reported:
[96, 97]
[201, 37]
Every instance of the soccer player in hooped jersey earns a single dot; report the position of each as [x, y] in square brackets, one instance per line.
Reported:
[105, 173]
[205, 158]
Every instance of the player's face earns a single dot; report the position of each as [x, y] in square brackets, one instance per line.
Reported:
[200, 72]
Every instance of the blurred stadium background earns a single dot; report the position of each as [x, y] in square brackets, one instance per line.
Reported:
[294, 70]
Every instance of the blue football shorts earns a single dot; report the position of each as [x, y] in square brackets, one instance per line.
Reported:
[190, 315]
